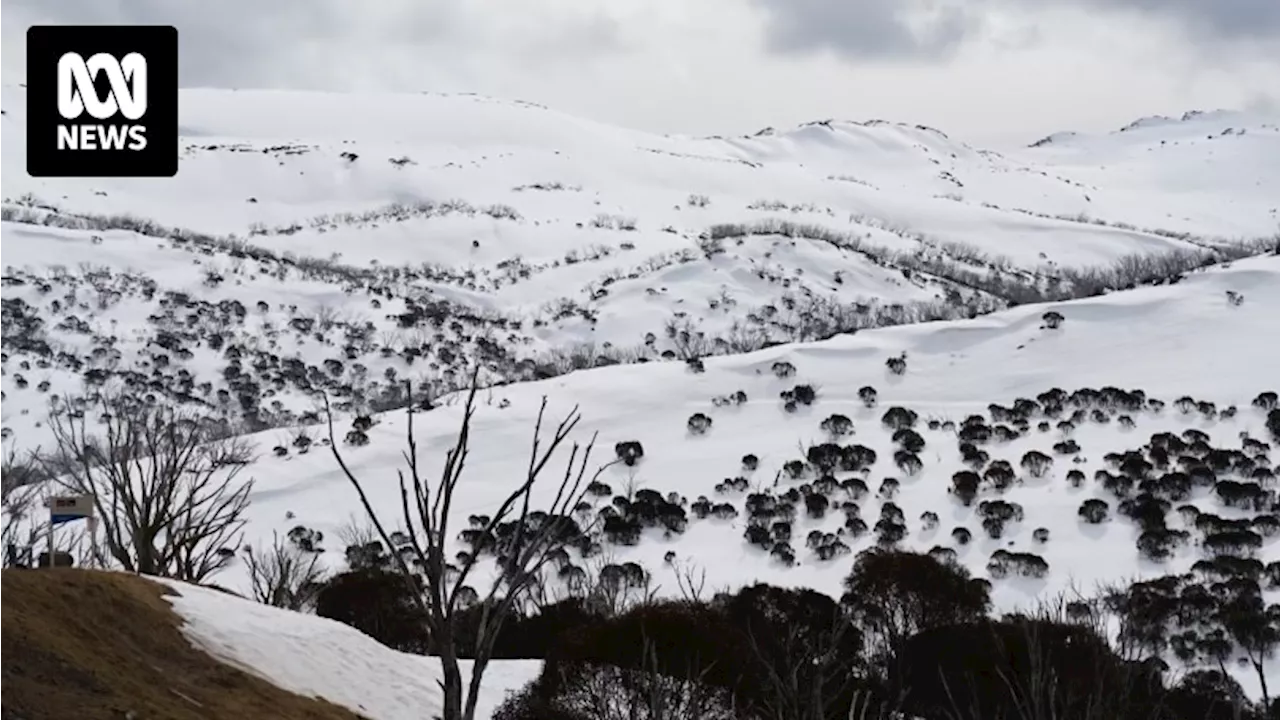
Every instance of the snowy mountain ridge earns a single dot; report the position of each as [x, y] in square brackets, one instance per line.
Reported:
[551, 242]
[1035, 317]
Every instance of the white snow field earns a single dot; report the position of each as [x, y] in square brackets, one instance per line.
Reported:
[343, 243]
[1170, 341]
[315, 657]
[398, 233]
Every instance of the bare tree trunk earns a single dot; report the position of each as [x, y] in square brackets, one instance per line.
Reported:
[163, 483]
[284, 575]
[425, 514]
[1262, 680]
[21, 493]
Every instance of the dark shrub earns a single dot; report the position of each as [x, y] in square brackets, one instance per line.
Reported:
[1093, 510]
[993, 669]
[803, 632]
[378, 603]
[825, 457]
[867, 395]
[976, 433]
[1036, 463]
[837, 425]
[629, 452]
[856, 457]
[908, 462]
[996, 514]
[739, 644]
[895, 593]
[1157, 545]
[699, 423]
[1208, 695]
[1004, 563]
[800, 395]
[897, 365]
[897, 418]
[908, 440]
[521, 637]
[1000, 474]
[816, 505]
[689, 639]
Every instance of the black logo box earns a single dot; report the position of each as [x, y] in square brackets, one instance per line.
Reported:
[46, 44]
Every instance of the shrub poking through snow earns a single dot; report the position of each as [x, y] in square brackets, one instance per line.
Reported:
[629, 452]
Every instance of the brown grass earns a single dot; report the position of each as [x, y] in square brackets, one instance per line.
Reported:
[90, 645]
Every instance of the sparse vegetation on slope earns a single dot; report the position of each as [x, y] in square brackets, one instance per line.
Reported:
[925, 480]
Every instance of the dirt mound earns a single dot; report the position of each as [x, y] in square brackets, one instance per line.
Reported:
[106, 646]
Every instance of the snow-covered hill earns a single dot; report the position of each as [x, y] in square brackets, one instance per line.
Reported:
[1170, 342]
[342, 243]
[375, 238]
[315, 657]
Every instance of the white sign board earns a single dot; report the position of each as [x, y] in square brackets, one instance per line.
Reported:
[70, 507]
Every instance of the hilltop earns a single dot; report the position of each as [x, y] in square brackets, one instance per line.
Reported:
[824, 339]
[99, 645]
[389, 237]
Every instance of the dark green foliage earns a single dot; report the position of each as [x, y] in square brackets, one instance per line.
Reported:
[378, 603]
[629, 452]
[995, 669]
[894, 594]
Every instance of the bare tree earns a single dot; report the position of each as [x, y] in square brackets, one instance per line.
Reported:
[808, 672]
[21, 494]
[163, 483]
[689, 342]
[605, 692]
[284, 575]
[691, 581]
[604, 587]
[425, 510]
[356, 532]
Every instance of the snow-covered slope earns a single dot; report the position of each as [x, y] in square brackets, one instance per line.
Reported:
[376, 238]
[343, 243]
[1199, 169]
[322, 658]
[1172, 341]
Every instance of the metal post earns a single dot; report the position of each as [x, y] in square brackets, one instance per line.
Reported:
[93, 538]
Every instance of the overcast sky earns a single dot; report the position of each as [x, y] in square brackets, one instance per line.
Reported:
[988, 71]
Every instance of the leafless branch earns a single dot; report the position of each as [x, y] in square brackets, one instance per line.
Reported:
[691, 581]
[805, 673]
[163, 483]
[426, 514]
[20, 504]
[283, 575]
[606, 692]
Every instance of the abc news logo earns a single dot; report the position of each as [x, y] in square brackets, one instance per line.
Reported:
[127, 97]
[102, 101]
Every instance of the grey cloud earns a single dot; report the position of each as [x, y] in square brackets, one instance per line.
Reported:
[224, 43]
[871, 29]
[913, 29]
[1207, 19]
[329, 43]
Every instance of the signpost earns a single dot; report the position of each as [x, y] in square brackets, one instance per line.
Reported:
[69, 508]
